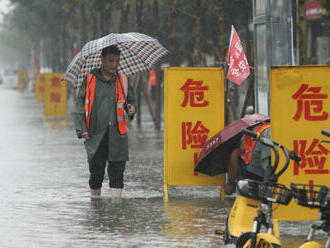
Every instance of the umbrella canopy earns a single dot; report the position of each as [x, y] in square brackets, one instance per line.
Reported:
[139, 53]
[214, 157]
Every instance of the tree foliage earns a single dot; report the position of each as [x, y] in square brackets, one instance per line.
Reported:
[50, 28]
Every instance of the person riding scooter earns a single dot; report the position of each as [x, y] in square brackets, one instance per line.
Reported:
[249, 159]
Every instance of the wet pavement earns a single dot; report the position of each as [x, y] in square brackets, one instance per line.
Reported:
[45, 201]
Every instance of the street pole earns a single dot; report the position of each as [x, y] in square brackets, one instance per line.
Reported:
[302, 33]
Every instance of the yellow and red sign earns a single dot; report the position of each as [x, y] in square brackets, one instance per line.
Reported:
[194, 112]
[55, 96]
[300, 107]
[40, 86]
[23, 79]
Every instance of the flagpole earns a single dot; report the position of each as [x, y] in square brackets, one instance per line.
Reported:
[249, 92]
[228, 117]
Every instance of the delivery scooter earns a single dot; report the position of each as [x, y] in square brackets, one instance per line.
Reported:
[253, 208]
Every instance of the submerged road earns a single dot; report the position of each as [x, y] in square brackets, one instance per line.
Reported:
[44, 200]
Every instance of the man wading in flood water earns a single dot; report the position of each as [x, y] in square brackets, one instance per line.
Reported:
[102, 102]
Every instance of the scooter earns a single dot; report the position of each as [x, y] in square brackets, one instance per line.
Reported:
[253, 208]
[314, 196]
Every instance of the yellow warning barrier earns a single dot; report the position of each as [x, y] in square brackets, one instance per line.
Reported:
[300, 107]
[22, 79]
[194, 112]
[55, 96]
[40, 86]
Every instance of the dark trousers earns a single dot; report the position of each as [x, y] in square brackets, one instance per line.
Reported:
[97, 167]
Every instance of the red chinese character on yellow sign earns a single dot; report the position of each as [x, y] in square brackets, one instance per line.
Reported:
[194, 93]
[55, 82]
[194, 136]
[42, 79]
[313, 157]
[195, 156]
[309, 102]
[55, 97]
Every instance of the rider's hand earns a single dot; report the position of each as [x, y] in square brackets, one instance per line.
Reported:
[85, 135]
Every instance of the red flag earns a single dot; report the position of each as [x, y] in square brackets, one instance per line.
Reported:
[313, 9]
[238, 65]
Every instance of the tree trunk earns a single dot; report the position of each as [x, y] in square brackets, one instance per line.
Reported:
[221, 49]
[36, 54]
[64, 47]
[107, 19]
[249, 94]
[174, 56]
[124, 9]
[102, 23]
[221, 54]
[54, 51]
[302, 33]
[197, 55]
[95, 21]
[83, 28]
[61, 39]
[139, 13]
[61, 46]
[47, 54]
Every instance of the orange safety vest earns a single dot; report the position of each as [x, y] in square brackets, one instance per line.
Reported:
[152, 78]
[121, 93]
[248, 146]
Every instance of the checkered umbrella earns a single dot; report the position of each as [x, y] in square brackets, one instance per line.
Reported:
[138, 53]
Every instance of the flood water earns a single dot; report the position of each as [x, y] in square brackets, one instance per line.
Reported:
[45, 202]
